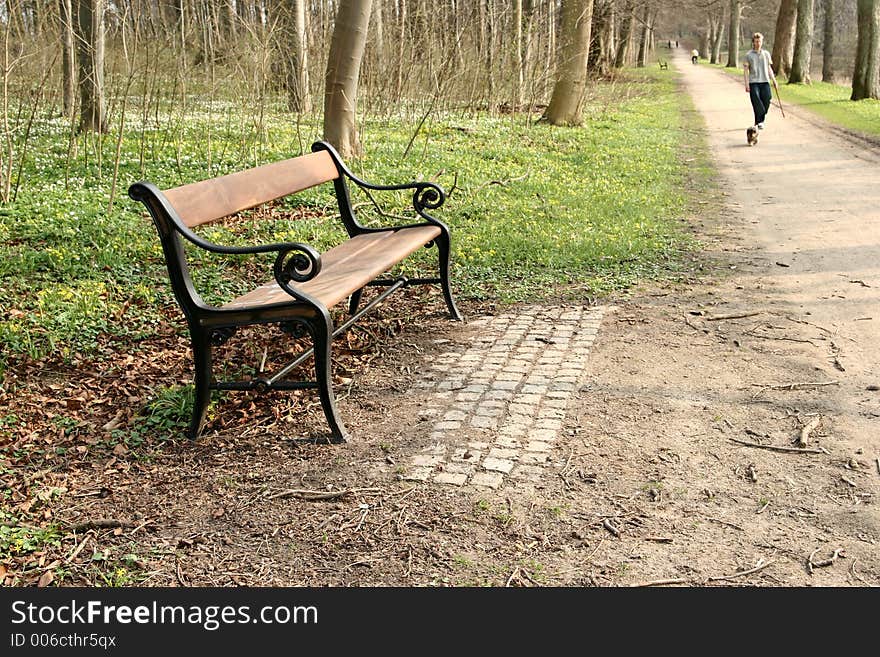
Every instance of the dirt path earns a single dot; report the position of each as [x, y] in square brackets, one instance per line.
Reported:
[677, 385]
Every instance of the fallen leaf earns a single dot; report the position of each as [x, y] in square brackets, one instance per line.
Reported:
[120, 450]
[46, 579]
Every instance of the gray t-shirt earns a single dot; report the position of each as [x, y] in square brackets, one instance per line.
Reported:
[759, 65]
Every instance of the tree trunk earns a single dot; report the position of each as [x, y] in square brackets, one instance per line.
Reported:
[299, 99]
[866, 74]
[90, 37]
[828, 42]
[68, 58]
[733, 34]
[623, 43]
[343, 69]
[783, 42]
[566, 103]
[803, 44]
[642, 58]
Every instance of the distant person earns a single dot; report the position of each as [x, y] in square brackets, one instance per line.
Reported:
[695, 55]
[758, 73]
[670, 45]
[676, 44]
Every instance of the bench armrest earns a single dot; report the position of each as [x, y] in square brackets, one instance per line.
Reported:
[426, 195]
[295, 261]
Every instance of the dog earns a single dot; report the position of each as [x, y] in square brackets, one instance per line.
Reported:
[752, 135]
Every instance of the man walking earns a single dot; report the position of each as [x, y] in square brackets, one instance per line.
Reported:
[758, 72]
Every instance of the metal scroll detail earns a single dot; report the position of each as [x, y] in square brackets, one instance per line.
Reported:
[296, 264]
[428, 196]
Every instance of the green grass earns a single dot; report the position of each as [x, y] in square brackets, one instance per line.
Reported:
[535, 211]
[831, 102]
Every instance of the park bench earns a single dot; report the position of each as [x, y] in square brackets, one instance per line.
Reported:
[304, 283]
[663, 65]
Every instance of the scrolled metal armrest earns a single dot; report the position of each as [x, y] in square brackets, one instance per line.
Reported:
[297, 263]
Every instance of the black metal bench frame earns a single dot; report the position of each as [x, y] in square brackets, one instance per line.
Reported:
[299, 311]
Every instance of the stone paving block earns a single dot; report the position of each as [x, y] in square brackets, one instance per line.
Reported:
[487, 479]
[498, 465]
[452, 478]
[479, 446]
[427, 460]
[483, 422]
[461, 468]
[446, 426]
[533, 457]
[418, 474]
[536, 446]
[508, 442]
[500, 453]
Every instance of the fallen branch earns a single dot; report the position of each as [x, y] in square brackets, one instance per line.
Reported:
[805, 432]
[761, 565]
[716, 318]
[661, 582]
[792, 386]
[779, 448]
[724, 522]
[102, 523]
[607, 524]
[839, 552]
[320, 495]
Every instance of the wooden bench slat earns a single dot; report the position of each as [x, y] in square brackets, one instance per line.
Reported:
[347, 268]
[209, 200]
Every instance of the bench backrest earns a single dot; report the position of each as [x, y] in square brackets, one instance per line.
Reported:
[177, 210]
[208, 200]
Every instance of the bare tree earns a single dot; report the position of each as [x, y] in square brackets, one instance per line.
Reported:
[68, 57]
[733, 34]
[828, 42]
[866, 75]
[90, 38]
[803, 44]
[566, 103]
[299, 99]
[783, 42]
[343, 70]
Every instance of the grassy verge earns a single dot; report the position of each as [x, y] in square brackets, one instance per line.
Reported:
[832, 103]
[535, 210]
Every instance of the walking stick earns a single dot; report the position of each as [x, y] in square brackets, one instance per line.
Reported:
[778, 99]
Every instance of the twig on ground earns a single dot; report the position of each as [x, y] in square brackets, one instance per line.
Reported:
[849, 481]
[101, 523]
[661, 582]
[724, 522]
[839, 552]
[512, 575]
[320, 495]
[733, 316]
[779, 448]
[659, 539]
[607, 524]
[761, 565]
[808, 428]
[763, 508]
[79, 548]
[807, 384]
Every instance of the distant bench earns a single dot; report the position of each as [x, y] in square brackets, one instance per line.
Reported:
[663, 65]
[305, 283]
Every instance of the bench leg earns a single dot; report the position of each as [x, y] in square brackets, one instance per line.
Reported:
[322, 335]
[201, 346]
[442, 243]
[355, 301]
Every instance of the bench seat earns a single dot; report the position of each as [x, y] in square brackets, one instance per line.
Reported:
[346, 268]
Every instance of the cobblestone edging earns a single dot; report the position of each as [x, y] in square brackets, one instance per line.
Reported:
[497, 409]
